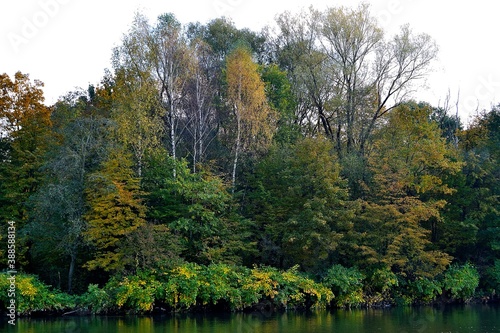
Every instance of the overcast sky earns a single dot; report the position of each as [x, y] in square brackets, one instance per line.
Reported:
[67, 43]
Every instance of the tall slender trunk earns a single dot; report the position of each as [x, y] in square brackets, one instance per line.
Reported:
[171, 118]
[237, 149]
[350, 120]
[71, 272]
[195, 149]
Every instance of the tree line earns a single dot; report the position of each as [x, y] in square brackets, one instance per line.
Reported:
[295, 148]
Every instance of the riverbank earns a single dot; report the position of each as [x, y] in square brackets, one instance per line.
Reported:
[225, 288]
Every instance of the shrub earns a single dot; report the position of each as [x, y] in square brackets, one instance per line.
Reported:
[32, 295]
[346, 284]
[461, 282]
[383, 280]
[222, 282]
[97, 300]
[182, 286]
[424, 290]
[136, 293]
[493, 277]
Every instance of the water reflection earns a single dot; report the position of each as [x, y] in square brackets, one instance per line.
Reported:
[416, 319]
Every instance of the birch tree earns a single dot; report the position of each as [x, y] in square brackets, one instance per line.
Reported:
[252, 123]
[200, 109]
[160, 54]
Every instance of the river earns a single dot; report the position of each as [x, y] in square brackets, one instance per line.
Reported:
[449, 319]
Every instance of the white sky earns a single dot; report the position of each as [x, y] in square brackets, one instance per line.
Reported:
[68, 43]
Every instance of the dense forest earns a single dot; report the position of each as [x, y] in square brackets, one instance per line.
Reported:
[216, 166]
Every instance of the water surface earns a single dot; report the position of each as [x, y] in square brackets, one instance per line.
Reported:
[450, 319]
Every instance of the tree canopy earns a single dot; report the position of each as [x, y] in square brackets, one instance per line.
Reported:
[279, 158]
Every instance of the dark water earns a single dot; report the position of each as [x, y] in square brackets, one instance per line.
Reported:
[454, 319]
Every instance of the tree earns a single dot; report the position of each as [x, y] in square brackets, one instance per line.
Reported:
[198, 210]
[115, 210]
[222, 36]
[252, 118]
[25, 134]
[348, 73]
[300, 204]
[59, 204]
[399, 218]
[350, 38]
[160, 54]
[201, 117]
[137, 114]
[472, 218]
[295, 49]
[282, 101]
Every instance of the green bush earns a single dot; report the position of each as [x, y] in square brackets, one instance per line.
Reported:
[32, 295]
[461, 282]
[383, 280]
[97, 300]
[181, 286]
[346, 284]
[493, 277]
[219, 282]
[290, 289]
[424, 290]
[190, 285]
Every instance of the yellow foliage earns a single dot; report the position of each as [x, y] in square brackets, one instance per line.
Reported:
[26, 287]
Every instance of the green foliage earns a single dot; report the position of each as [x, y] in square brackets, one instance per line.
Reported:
[151, 246]
[223, 36]
[57, 208]
[191, 285]
[461, 281]
[346, 284]
[25, 134]
[198, 209]
[236, 288]
[398, 220]
[279, 93]
[300, 201]
[424, 290]
[383, 280]
[34, 296]
[96, 300]
[136, 293]
[391, 194]
[479, 198]
[115, 210]
[493, 277]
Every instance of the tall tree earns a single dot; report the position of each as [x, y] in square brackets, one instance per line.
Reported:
[198, 210]
[172, 64]
[160, 54]
[25, 134]
[409, 162]
[137, 114]
[59, 205]
[351, 74]
[201, 117]
[472, 219]
[301, 205]
[222, 36]
[294, 48]
[252, 123]
[115, 210]
[351, 38]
